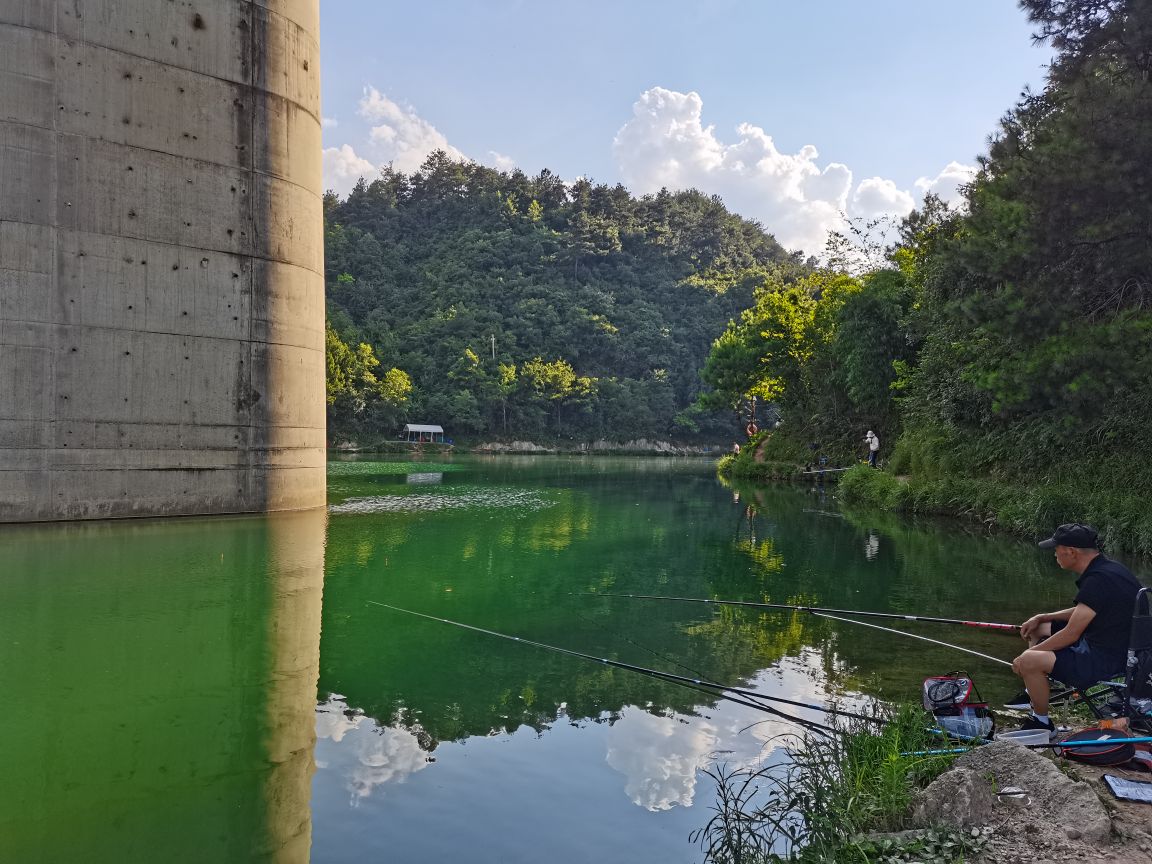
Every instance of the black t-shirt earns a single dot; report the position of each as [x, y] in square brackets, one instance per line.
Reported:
[1108, 589]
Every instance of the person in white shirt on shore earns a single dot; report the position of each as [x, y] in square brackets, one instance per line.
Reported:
[873, 447]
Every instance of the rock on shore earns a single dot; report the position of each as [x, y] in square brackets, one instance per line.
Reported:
[1056, 818]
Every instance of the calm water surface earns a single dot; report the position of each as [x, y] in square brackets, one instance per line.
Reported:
[209, 690]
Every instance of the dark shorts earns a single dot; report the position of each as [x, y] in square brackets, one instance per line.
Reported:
[1079, 666]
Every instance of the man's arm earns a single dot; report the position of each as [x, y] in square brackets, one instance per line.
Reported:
[1035, 621]
[1079, 620]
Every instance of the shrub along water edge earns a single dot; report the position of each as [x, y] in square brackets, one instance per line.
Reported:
[836, 790]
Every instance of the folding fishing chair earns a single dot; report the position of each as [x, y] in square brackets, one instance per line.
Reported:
[1132, 697]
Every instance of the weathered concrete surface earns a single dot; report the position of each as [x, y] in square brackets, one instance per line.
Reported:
[161, 258]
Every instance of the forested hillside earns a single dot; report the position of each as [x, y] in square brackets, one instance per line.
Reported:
[525, 307]
[1008, 344]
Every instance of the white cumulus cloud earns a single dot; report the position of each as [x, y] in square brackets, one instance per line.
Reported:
[500, 162]
[879, 197]
[401, 136]
[659, 757]
[947, 183]
[666, 144]
[396, 135]
[343, 167]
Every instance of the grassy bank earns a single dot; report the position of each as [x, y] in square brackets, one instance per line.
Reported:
[846, 786]
[774, 455]
[1029, 510]
[1012, 483]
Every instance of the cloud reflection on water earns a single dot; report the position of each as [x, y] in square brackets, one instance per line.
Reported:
[661, 757]
[364, 752]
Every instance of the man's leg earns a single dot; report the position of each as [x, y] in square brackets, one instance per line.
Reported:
[1041, 633]
[1033, 667]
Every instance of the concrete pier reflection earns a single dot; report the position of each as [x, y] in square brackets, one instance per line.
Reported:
[162, 683]
[297, 546]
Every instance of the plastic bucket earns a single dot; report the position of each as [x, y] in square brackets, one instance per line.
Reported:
[1025, 736]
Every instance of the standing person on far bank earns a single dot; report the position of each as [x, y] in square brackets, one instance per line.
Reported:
[873, 447]
[1085, 643]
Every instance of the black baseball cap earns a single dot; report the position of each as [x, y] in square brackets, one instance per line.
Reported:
[1072, 534]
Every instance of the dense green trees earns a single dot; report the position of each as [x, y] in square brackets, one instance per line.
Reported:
[822, 348]
[1035, 303]
[1009, 339]
[527, 307]
[358, 399]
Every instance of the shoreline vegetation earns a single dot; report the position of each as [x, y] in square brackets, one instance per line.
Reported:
[996, 500]
[858, 794]
[601, 447]
[848, 784]
[1000, 347]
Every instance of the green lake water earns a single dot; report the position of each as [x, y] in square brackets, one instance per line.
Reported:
[217, 690]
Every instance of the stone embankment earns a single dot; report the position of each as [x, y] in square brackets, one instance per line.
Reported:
[1034, 809]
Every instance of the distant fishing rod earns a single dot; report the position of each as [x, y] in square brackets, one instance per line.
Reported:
[912, 636]
[691, 684]
[699, 684]
[658, 655]
[701, 675]
[1059, 745]
[825, 709]
[987, 625]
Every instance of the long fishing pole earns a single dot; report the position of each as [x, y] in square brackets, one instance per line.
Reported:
[912, 636]
[645, 648]
[987, 625]
[701, 675]
[823, 708]
[1095, 742]
[693, 683]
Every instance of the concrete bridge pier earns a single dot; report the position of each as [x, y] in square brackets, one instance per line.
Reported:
[161, 258]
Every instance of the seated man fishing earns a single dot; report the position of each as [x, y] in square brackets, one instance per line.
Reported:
[1085, 643]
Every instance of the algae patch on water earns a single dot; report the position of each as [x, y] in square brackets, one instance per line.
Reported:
[455, 498]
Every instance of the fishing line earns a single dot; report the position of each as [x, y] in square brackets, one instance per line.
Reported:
[645, 648]
[987, 625]
[912, 636]
[695, 684]
[750, 693]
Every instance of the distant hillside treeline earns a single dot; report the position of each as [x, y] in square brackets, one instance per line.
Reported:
[523, 306]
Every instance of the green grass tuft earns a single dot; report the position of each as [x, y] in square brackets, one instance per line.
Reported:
[836, 790]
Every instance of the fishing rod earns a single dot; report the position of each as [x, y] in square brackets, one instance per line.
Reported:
[755, 694]
[912, 636]
[693, 683]
[712, 693]
[644, 648]
[1095, 742]
[987, 625]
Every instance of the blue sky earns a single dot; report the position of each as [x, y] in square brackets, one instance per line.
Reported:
[794, 113]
